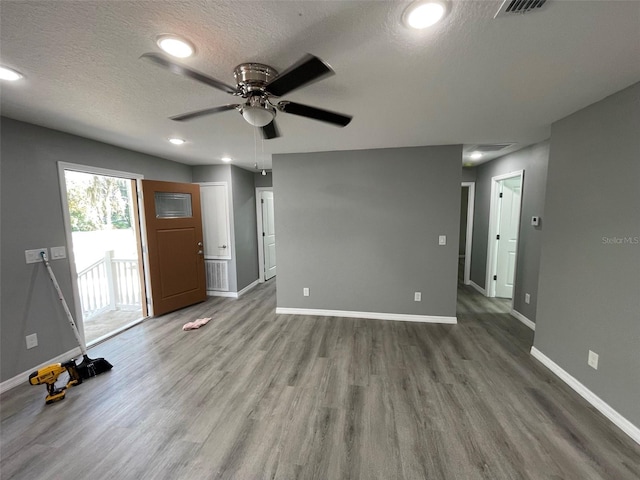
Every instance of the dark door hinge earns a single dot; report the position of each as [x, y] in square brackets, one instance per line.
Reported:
[495, 277]
[497, 237]
[500, 194]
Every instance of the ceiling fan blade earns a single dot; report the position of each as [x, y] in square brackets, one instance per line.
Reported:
[270, 131]
[202, 113]
[164, 61]
[315, 113]
[305, 71]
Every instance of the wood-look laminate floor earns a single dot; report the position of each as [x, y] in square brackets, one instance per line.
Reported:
[254, 395]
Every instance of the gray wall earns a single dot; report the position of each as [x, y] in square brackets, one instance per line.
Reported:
[469, 174]
[360, 229]
[32, 218]
[534, 161]
[244, 220]
[589, 294]
[263, 180]
[221, 173]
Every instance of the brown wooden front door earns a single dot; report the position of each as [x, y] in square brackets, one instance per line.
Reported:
[174, 238]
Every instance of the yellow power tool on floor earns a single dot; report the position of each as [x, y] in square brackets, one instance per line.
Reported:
[49, 376]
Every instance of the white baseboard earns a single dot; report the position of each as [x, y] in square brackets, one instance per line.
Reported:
[401, 317]
[523, 319]
[478, 287]
[24, 376]
[625, 425]
[248, 287]
[216, 293]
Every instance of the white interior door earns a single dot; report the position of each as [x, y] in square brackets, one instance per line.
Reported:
[215, 220]
[508, 224]
[268, 235]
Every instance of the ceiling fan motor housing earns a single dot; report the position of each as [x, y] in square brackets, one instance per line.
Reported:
[257, 83]
[253, 76]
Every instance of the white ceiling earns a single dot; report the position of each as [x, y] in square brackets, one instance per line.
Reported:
[471, 79]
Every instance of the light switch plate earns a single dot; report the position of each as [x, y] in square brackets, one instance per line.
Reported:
[58, 252]
[305, 291]
[442, 240]
[417, 297]
[33, 256]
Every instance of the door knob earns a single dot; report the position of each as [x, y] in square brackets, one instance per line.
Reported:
[199, 244]
[200, 252]
[222, 246]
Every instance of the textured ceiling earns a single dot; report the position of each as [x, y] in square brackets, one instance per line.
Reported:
[470, 79]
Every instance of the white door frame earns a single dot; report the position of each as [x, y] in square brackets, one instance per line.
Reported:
[469, 237]
[492, 257]
[259, 231]
[62, 166]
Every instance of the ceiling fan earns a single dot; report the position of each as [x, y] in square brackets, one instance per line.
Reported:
[258, 84]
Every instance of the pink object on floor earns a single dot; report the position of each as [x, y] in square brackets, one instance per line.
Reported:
[196, 324]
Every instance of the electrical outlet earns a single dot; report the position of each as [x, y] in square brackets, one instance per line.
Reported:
[58, 252]
[442, 240]
[417, 297]
[33, 256]
[305, 291]
[593, 359]
[527, 298]
[32, 340]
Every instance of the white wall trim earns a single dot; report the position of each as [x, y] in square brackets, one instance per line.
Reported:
[400, 317]
[259, 190]
[478, 287]
[62, 166]
[76, 167]
[216, 293]
[23, 378]
[625, 425]
[471, 196]
[523, 319]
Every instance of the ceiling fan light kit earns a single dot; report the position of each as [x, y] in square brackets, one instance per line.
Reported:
[258, 112]
[257, 84]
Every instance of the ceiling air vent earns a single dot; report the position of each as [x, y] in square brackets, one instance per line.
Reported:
[510, 7]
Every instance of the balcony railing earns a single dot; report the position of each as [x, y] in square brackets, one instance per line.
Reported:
[109, 284]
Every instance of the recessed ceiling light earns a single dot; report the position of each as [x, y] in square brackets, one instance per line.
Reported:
[423, 14]
[226, 159]
[9, 74]
[177, 141]
[475, 156]
[176, 46]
